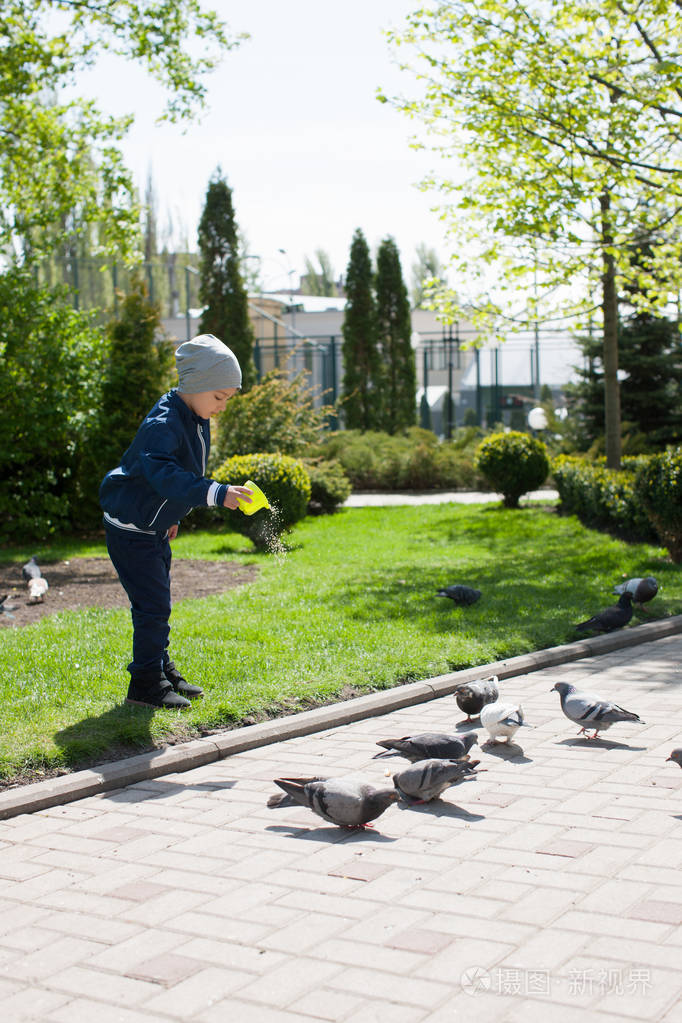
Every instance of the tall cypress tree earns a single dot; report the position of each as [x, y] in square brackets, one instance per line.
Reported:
[394, 325]
[221, 288]
[362, 374]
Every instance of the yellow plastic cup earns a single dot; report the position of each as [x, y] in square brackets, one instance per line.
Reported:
[258, 499]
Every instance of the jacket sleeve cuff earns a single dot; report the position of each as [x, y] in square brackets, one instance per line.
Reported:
[216, 494]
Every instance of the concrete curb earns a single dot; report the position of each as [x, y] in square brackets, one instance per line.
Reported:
[173, 759]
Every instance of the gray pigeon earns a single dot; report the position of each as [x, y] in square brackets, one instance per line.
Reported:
[428, 746]
[471, 697]
[427, 779]
[612, 618]
[348, 802]
[31, 570]
[460, 594]
[589, 710]
[642, 590]
[6, 608]
[676, 756]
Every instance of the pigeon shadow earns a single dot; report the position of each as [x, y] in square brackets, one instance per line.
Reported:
[441, 808]
[601, 743]
[468, 726]
[330, 834]
[506, 751]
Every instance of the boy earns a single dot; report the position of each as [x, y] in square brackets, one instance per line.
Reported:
[161, 478]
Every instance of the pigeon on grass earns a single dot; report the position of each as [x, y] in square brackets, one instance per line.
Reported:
[502, 720]
[471, 697]
[612, 618]
[642, 590]
[676, 756]
[347, 802]
[591, 711]
[428, 746]
[460, 594]
[427, 779]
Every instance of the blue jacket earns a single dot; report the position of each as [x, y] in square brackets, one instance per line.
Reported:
[161, 475]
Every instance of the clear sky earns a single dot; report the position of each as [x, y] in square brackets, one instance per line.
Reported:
[293, 122]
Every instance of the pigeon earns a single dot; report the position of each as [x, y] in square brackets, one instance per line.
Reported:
[459, 594]
[472, 696]
[676, 756]
[426, 779]
[6, 608]
[348, 802]
[37, 588]
[642, 590]
[502, 719]
[428, 746]
[614, 617]
[589, 710]
[31, 570]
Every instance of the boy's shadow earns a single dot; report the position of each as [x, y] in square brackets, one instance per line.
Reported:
[123, 730]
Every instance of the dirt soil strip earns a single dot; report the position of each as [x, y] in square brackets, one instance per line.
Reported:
[92, 582]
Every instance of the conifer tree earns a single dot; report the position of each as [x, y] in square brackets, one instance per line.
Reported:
[651, 391]
[394, 325]
[362, 377]
[221, 288]
[139, 370]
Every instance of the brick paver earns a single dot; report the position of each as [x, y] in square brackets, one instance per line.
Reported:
[548, 888]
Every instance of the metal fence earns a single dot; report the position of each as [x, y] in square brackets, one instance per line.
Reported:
[458, 384]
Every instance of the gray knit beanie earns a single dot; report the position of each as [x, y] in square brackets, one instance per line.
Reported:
[206, 364]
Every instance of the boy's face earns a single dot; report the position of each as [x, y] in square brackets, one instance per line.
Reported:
[208, 403]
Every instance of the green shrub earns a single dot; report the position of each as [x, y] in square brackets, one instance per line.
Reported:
[603, 498]
[513, 463]
[285, 483]
[415, 460]
[658, 486]
[277, 414]
[51, 363]
[329, 485]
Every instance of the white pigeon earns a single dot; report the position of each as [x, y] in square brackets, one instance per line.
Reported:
[37, 588]
[502, 720]
[591, 711]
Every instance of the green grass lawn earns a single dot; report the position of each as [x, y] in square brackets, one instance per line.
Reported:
[352, 603]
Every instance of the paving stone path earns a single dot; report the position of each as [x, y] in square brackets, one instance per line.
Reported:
[550, 888]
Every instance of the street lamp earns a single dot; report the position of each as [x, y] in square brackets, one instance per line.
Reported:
[290, 272]
[188, 270]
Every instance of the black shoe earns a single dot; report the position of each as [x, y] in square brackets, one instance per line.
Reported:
[155, 691]
[181, 685]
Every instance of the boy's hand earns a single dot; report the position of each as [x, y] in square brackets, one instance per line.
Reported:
[234, 492]
[172, 531]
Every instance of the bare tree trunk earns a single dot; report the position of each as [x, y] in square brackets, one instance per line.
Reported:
[612, 424]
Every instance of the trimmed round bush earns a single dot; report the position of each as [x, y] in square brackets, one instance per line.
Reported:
[658, 486]
[329, 485]
[285, 483]
[513, 463]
